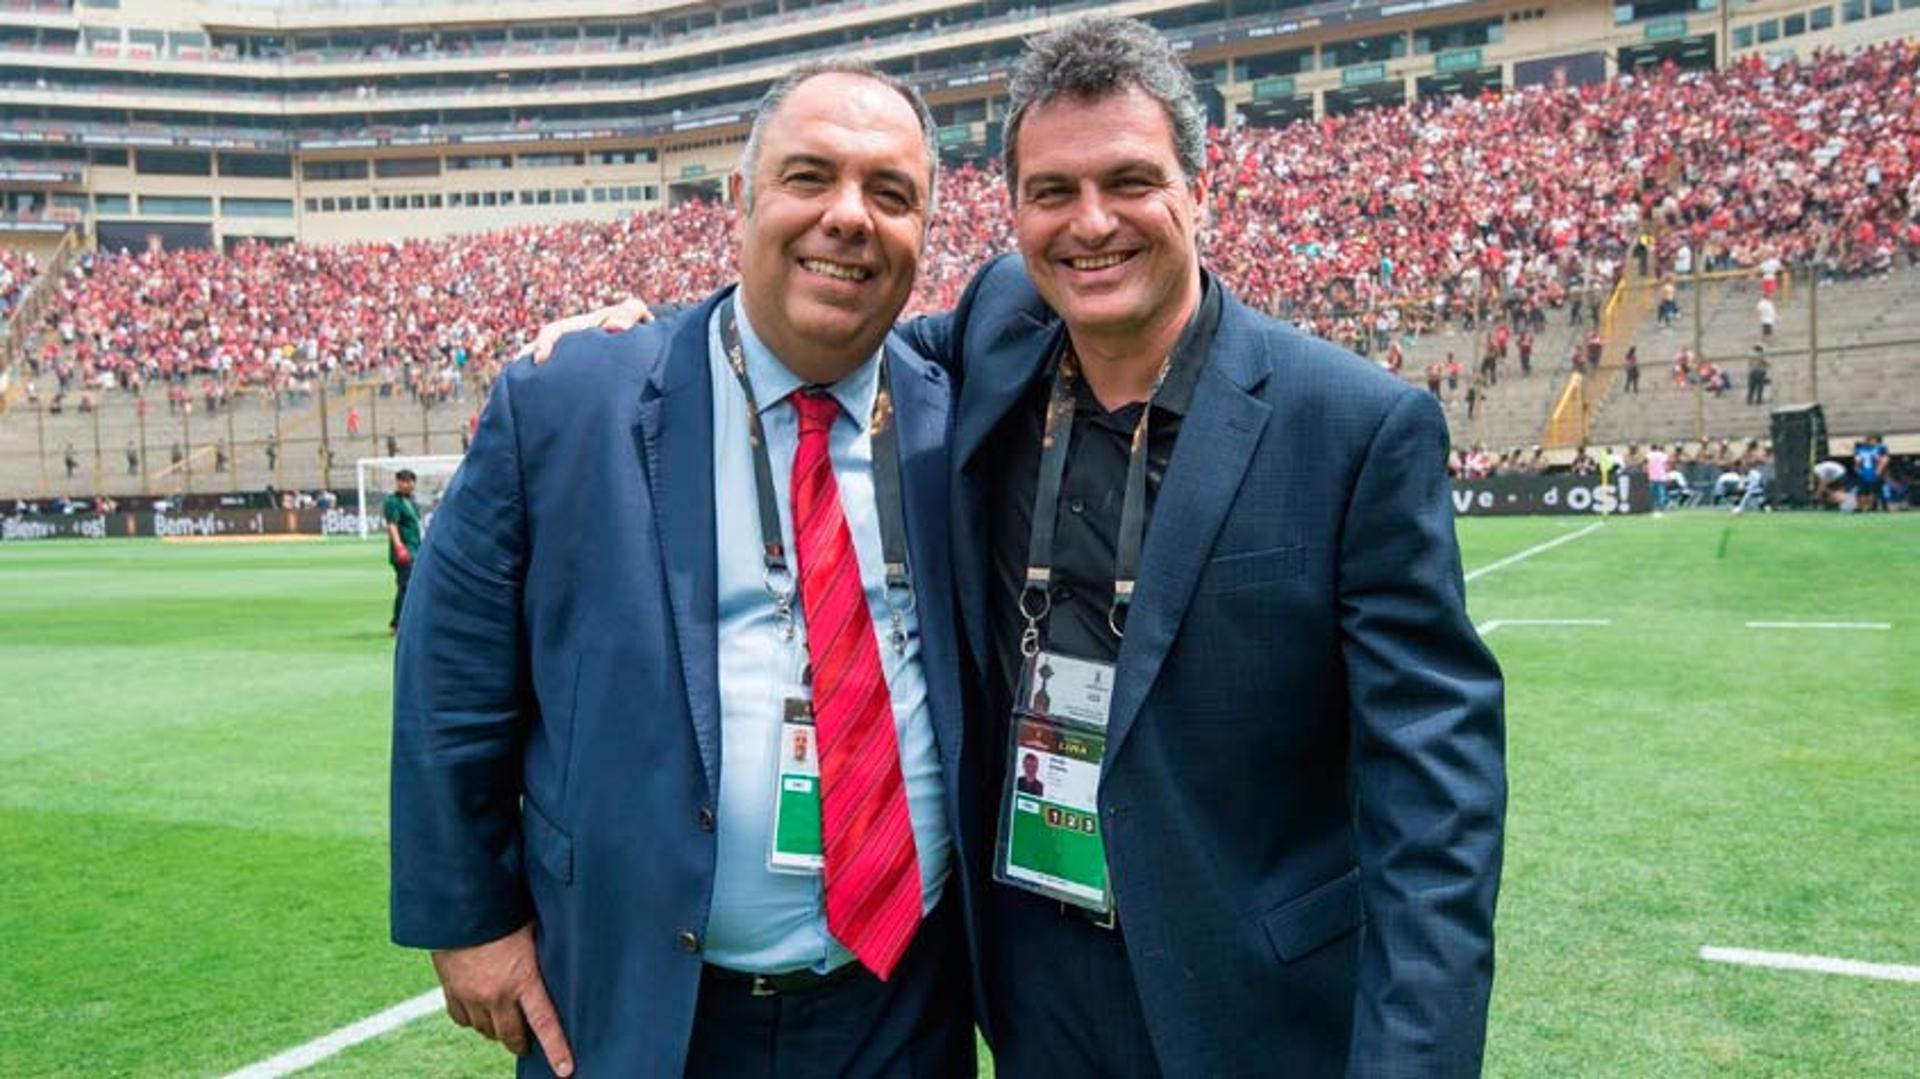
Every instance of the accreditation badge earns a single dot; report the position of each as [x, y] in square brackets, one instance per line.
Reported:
[1050, 840]
[795, 845]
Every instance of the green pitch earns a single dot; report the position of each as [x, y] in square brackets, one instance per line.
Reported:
[193, 765]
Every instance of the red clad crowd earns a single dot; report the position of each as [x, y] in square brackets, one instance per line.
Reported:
[1523, 199]
[1538, 192]
[412, 314]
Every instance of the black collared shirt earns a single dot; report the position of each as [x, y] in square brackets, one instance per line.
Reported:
[1088, 525]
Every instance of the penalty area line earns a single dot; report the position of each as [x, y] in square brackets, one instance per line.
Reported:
[305, 1056]
[1537, 548]
[1818, 964]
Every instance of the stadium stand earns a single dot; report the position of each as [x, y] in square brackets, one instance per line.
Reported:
[1412, 234]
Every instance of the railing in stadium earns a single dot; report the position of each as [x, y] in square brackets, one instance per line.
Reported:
[305, 435]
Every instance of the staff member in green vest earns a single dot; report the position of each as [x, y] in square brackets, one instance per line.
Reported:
[403, 538]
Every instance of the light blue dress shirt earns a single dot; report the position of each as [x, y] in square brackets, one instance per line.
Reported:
[762, 921]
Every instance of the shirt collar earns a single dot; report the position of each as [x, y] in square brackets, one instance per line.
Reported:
[773, 382]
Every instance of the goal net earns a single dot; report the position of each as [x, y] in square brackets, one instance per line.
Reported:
[374, 477]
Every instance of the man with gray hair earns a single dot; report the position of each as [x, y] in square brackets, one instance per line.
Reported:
[1293, 736]
[1208, 577]
[670, 556]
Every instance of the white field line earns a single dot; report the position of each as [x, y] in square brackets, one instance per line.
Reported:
[305, 1056]
[1485, 628]
[1534, 550]
[1819, 625]
[1819, 964]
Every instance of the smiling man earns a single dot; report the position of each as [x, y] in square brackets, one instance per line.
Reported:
[1210, 589]
[672, 556]
[1229, 550]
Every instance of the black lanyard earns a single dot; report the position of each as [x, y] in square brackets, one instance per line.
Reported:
[1036, 601]
[1054, 443]
[886, 491]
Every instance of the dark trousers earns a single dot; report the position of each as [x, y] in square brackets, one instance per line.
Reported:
[1062, 994]
[401, 575]
[918, 1023]
[1633, 379]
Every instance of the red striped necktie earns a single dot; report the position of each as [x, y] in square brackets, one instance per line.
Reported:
[872, 870]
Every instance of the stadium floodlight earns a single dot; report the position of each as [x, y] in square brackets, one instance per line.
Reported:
[375, 474]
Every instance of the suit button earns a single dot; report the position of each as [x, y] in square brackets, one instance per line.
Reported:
[689, 941]
[1078, 505]
[706, 819]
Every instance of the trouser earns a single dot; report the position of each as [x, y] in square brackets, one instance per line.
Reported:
[401, 575]
[1756, 389]
[1633, 380]
[1062, 994]
[1659, 495]
[919, 1022]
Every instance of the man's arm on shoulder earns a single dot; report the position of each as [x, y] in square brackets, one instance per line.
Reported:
[933, 337]
[1429, 774]
[617, 318]
[941, 338]
[460, 705]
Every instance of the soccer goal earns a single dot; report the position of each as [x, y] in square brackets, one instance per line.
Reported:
[374, 478]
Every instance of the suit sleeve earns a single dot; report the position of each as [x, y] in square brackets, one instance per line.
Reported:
[1429, 776]
[942, 338]
[462, 700]
[933, 337]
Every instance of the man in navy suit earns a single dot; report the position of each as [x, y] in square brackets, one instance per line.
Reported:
[669, 554]
[1301, 786]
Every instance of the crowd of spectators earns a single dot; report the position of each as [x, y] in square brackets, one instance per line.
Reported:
[1542, 195]
[1363, 228]
[417, 317]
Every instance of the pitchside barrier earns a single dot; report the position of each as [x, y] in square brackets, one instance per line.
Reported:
[234, 524]
[1518, 496]
[1498, 496]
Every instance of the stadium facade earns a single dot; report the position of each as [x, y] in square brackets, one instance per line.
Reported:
[134, 122]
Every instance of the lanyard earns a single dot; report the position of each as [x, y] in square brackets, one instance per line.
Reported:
[886, 490]
[1036, 602]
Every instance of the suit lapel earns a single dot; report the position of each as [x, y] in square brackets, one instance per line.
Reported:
[998, 374]
[1222, 427]
[920, 411]
[676, 436]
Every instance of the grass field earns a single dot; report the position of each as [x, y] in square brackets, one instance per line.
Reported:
[193, 803]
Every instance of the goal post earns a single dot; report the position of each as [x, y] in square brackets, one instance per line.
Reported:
[374, 477]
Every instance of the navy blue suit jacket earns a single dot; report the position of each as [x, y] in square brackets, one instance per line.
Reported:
[1304, 787]
[556, 704]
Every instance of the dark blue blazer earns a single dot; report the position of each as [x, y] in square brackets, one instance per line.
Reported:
[556, 745]
[1304, 787]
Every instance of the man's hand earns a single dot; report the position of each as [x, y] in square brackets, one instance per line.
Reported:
[495, 988]
[624, 315]
[401, 556]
